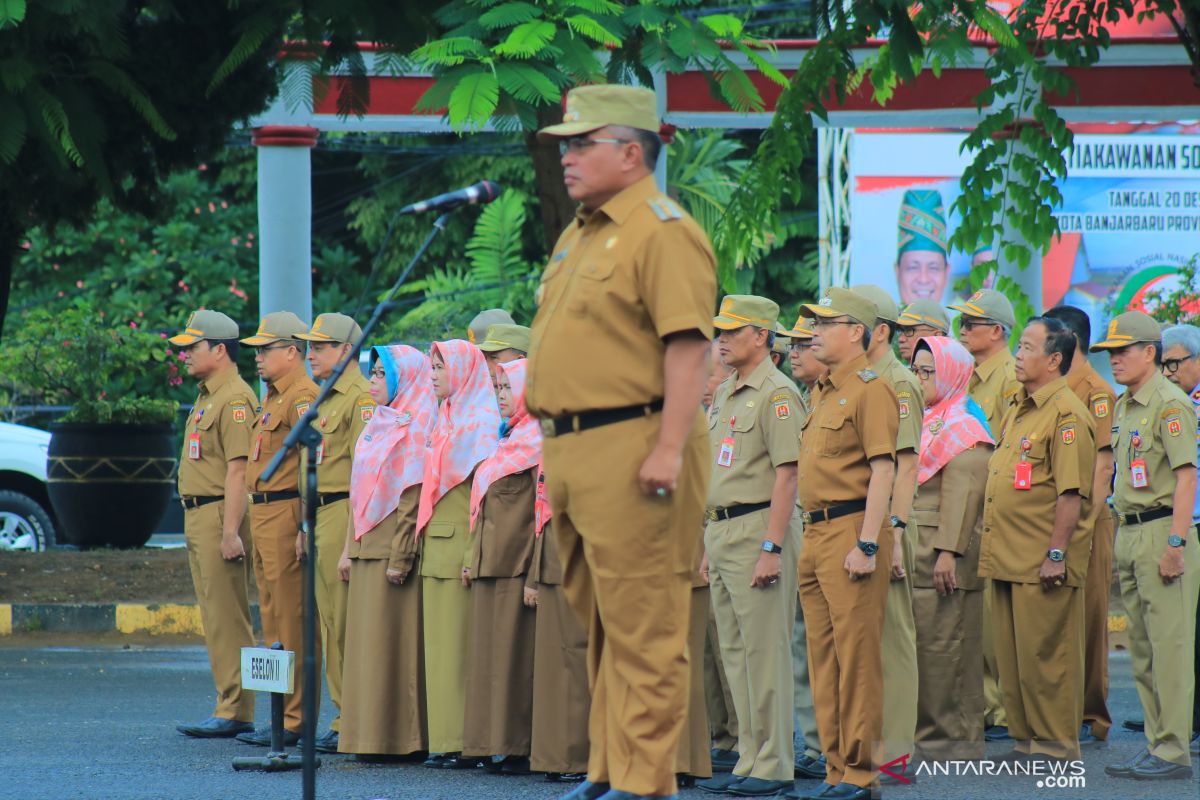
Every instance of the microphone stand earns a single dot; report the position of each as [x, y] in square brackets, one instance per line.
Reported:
[304, 434]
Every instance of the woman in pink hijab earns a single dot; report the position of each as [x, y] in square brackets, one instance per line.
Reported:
[947, 591]
[383, 698]
[465, 434]
[500, 645]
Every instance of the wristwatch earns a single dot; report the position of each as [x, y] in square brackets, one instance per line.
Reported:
[1055, 555]
[868, 548]
[1176, 541]
[771, 547]
[897, 522]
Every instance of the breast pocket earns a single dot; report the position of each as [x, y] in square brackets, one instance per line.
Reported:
[441, 557]
[592, 283]
[835, 434]
[743, 434]
[272, 432]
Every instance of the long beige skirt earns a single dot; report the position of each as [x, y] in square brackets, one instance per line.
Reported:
[447, 611]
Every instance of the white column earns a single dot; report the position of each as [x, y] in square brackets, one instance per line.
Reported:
[285, 218]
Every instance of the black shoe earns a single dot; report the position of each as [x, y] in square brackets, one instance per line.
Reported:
[724, 760]
[909, 774]
[1087, 738]
[617, 794]
[1196, 745]
[997, 733]
[216, 728]
[820, 791]
[262, 737]
[514, 765]
[439, 760]
[1156, 769]
[565, 777]
[1124, 769]
[720, 784]
[757, 787]
[494, 765]
[1137, 725]
[685, 781]
[809, 767]
[325, 743]
[587, 791]
[844, 791]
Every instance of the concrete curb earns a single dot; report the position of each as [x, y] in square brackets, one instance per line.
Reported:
[155, 619]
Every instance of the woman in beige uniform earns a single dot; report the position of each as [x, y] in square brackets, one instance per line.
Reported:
[956, 444]
[499, 713]
[465, 434]
[383, 699]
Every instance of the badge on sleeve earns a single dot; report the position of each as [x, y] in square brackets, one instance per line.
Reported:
[1068, 434]
[1100, 407]
[301, 407]
[1174, 426]
[366, 410]
[783, 409]
[904, 409]
[239, 414]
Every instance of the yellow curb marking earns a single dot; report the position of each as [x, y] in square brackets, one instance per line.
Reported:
[5, 620]
[157, 620]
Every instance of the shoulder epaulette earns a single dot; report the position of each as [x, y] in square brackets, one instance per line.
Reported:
[665, 208]
[867, 375]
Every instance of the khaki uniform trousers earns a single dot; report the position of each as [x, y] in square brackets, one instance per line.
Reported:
[693, 756]
[280, 591]
[804, 715]
[628, 560]
[1036, 635]
[722, 716]
[1095, 627]
[332, 521]
[950, 674]
[844, 619]
[221, 588]
[900, 685]
[1162, 627]
[993, 694]
[754, 627]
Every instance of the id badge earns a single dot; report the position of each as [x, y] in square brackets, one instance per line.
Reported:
[257, 448]
[194, 446]
[1023, 476]
[725, 454]
[1137, 471]
[321, 451]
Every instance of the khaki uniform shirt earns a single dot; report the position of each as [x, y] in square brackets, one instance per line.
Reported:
[909, 399]
[1100, 399]
[763, 419]
[503, 540]
[344, 414]
[287, 398]
[1017, 523]
[621, 278]
[994, 387]
[1161, 416]
[854, 419]
[222, 418]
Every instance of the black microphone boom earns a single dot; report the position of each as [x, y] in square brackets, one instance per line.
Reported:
[482, 192]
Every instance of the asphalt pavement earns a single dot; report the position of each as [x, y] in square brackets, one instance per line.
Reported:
[98, 722]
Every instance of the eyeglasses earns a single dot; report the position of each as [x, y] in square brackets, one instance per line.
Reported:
[909, 331]
[378, 373]
[925, 373]
[968, 324]
[826, 323]
[580, 144]
[1171, 365]
[266, 348]
[800, 347]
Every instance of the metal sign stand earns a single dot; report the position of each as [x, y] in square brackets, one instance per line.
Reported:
[277, 758]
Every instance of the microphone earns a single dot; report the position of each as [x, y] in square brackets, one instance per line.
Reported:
[482, 192]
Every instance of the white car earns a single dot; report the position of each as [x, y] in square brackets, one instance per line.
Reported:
[26, 519]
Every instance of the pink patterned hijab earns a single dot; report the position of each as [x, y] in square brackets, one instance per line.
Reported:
[520, 450]
[390, 454]
[953, 422]
[467, 428]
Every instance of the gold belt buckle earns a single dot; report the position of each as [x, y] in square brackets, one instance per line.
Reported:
[806, 517]
[711, 514]
[548, 428]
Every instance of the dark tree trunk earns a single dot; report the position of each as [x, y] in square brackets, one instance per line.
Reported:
[10, 237]
[558, 209]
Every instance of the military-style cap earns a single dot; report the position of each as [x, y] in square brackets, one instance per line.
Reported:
[839, 302]
[781, 343]
[740, 310]
[1132, 327]
[988, 304]
[506, 337]
[333, 328]
[478, 329]
[278, 326]
[888, 310]
[205, 324]
[926, 312]
[800, 330]
[592, 107]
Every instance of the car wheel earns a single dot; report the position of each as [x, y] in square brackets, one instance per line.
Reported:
[24, 524]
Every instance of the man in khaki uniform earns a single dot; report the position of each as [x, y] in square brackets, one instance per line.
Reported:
[275, 511]
[344, 414]
[810, 761]
[625, 449]
[1100, 400]
[1157, 553]
[920, 319]
[504, 343]
[845, 474]
[751, 542]
[985, 325]
[899, 627]
[477, 333]
[1036, 544]
[212, 483]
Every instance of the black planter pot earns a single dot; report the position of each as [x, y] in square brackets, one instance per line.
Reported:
[110, 484]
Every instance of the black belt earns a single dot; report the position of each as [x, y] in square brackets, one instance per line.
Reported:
[257, 498]
[325, 498]
[1133, 518]
[575, 423]
[833, 512]
[200, 500]
[733, 512]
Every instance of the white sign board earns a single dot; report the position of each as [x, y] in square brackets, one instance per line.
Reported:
[267, 670]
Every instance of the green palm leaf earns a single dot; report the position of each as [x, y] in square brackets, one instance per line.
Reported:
[473, 100]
